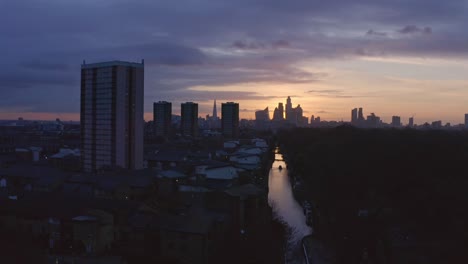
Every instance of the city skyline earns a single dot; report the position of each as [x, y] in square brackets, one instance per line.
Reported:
[392, 58]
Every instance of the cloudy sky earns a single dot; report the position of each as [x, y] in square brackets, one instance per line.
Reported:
[398, 57]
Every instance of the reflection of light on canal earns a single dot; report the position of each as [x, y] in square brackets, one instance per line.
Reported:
[285, 207]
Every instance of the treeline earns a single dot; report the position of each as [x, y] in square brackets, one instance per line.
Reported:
[412, 179]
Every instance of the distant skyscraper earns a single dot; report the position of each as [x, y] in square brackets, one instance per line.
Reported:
[396, 121]
[437, 124]
[189, 122]
[373, 121]
[466, 120]
[262, 118]
[298, 115]
[354, 116]
[230, 119]
[305, 121]
[112, 115]
[411, 122]
[317, 120]
[262, 115]
[162, 115]
[288, 109]
[281, 111]
[299, 111]
[278, 113]
[360, 115]
[215, 112]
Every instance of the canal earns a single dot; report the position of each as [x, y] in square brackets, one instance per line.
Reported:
[287, 210]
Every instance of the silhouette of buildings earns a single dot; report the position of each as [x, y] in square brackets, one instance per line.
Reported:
[315, 122]
[230, 119]
[213, 121]
[112, 115]
[411, 122]
[278, 113]
[354, 116]
[215, 111]
[162, 114]
[437, 124]
[189, 119]
[289, 115]
[360, 115]
[294, 116]
[357, 117]
[262, 118]
[373, 121]
[262, 115]
[396, 121]
[466, 120]
[281, 111]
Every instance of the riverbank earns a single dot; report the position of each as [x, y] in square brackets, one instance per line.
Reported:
[370, 211]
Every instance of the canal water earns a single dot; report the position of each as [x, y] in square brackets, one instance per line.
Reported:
[287, 210]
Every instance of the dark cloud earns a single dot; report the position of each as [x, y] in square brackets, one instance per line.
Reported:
[244, 45]
[156, 53]
[21, 79]
[332, 93]
[168, 54]
[281, 44]
[247, 46]
[44, 65]
[210, 43]
[372, 32]
[412, 29]
[204, 95]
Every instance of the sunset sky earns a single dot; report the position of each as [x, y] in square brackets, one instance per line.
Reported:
[398, 57]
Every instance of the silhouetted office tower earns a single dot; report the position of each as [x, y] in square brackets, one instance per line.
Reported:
[396, 121]
[262, 118]
[437, 124]
[411, 122]
[230, 119]
[215, 111]
[278, 113]
[360, 115]
[162, 115]
[299, 111]
[112, 115]
[466, 120]
[373, 120]
[314, 122]
[354, 116]
[189, 119]
[298, 116]
[288, 108]
[305, 121]
[262, 115]
[281, 111]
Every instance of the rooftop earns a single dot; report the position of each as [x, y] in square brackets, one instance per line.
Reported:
[112, 63]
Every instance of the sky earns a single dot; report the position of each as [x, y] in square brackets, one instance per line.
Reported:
[398, 57]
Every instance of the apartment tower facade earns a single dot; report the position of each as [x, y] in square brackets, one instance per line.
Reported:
[112, 115]
[162, 118]
[230, 119]
[189, 119]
